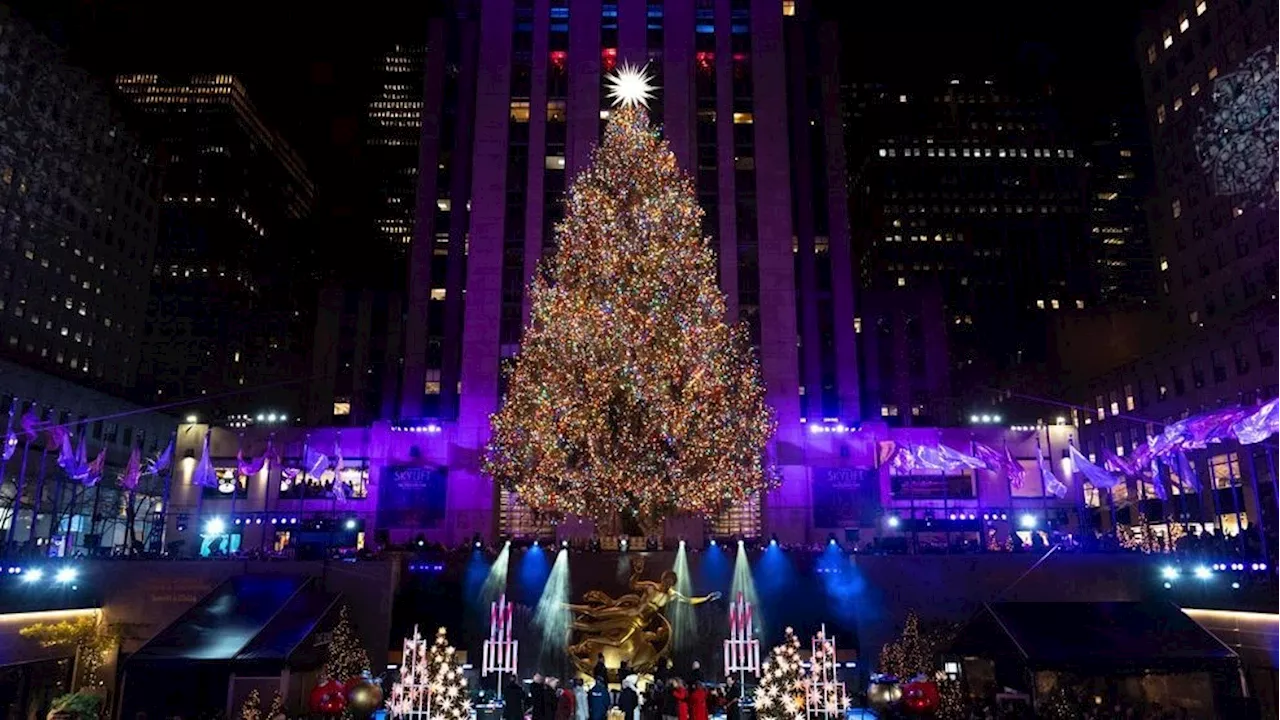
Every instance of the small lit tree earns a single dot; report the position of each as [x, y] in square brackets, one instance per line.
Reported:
[251, 709]
[911, 654]
[347, 657]
[781, 693]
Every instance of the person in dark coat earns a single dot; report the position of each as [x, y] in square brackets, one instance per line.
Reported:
[550, 697]
[629, 698]
[600, 671]
[695, 674]
[662, 673]
[598, 700]
[732, 699]
[538, 698]
[513, 700]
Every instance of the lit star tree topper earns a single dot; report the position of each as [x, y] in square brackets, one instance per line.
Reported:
[630, 86]
[630, 394]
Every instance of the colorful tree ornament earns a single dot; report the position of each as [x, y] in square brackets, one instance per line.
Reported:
[630, 394]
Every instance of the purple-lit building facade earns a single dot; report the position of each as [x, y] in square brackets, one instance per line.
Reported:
[512, 106]
[1211, 339]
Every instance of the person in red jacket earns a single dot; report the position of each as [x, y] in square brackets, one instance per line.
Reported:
[698, 702]
[566, 704]
[681, 696]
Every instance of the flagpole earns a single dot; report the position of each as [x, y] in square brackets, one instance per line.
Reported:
[168, 485]
[38, 500]
[1271, 468]
[17, 498]
[1257, 503]
[235, 490]
[266, 490]
[55, 522]
[1044, 492]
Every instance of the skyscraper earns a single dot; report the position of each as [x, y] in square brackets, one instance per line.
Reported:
[226, 301]
[393, 129]
[1209, 76]
[78, 218]
[969, 192]
[1119, 162]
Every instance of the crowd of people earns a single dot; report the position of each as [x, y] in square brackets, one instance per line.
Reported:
[669, 697]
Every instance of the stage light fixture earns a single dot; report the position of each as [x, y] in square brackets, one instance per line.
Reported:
[215, 526]
[1169, 572]
[1235, 586]
[350, 524]
[1202, 573]
[1027, 521]
[893, 521]
[33, 575]
[65, 575]
[713, 542]
[564, 543]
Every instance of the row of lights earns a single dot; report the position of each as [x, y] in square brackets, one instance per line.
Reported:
[431, 428]
[1204, 573]
[836, 429]
[218, 526]
[1027, 520]
[63, 576]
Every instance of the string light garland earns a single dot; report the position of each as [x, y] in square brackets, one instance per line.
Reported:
[630, 394]
[781, 693]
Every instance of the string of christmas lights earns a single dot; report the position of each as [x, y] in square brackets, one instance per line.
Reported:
[630, 394]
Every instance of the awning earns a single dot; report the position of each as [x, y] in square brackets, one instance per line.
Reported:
[18, 650]
[248, 618]
[1110, 637]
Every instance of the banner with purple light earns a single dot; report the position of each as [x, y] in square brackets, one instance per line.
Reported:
[412, 497]
[845, 497]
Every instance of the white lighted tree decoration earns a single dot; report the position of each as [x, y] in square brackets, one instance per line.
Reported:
[431, 685]
[825, 695]
[781, 694]
[1236, 138]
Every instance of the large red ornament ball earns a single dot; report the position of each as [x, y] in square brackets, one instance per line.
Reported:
[328, 698]
[920, 697]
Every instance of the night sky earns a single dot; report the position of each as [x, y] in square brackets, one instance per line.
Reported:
[307, 68]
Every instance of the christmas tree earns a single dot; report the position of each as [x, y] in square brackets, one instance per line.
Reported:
[781, 693]
[347, 658]
[431, 685]
[252, 707]
[630, 392]
[910, 655]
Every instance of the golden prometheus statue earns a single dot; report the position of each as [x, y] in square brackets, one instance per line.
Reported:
[632, 627]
